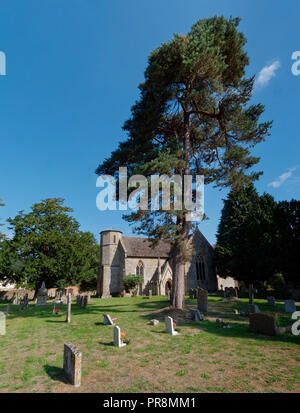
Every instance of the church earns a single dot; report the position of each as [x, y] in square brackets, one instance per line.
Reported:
[122, 255]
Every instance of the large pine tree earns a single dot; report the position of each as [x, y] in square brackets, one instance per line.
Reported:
[192, 117]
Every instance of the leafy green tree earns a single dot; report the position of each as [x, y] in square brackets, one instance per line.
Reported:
[48, 246]
[193, 117]
[247, 236]
[288, 245]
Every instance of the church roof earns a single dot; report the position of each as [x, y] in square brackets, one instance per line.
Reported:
[141, 247]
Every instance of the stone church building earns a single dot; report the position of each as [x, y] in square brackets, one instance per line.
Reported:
[121, 256]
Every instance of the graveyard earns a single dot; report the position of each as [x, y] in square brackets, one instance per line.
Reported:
[202, 357]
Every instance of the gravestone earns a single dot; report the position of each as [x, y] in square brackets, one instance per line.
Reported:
[25, 301]
[7, 310]
[169, 295]
[85, 301]
[170, 326]
[252, 291]
[289, 306]
[117, 337]
[250, 309]
[263, 323]
[107, 321]
[196, 315]
[150, 294]
[78, 298]
[271, 301]
[2, 324]
[41, 298]
[202, 300]
[154, 322]
[69, 304]
[72, 364]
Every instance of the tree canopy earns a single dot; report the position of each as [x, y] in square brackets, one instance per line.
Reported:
[47, 245]
[193, 117]
[257, 237]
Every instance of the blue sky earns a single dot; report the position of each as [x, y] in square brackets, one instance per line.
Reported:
[73, 67]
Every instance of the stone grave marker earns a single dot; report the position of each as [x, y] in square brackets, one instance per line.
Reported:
[289, 306]
[2, 324]
[196, 315]
[264, 323]
[117, 337]
[72, 364]
[107, 321]
[150, 294]
[271, 301]
[252, 291]
[7, 310]
[250, 309]
[202, 300]
[78, 298]
[42, 295]
[69, 304]
[170, 326]
[85, 301]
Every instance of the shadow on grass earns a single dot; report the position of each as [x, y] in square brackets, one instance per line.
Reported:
[110, 344]
[56, 373]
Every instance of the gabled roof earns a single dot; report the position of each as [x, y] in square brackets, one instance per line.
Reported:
[141, 247]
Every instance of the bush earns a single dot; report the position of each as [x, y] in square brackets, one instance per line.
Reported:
[278, 285]
[131, 282]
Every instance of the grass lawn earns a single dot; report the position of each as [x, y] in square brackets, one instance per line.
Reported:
[202, 358]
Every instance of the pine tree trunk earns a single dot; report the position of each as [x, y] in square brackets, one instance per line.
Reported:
[178, 287]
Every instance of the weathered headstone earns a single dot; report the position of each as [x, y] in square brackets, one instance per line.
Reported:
[202, 300]
[72, 364]
[154, 322]
[170, 326]
[289, 306]
[250, 309]
[196, 315]
[252, 291]
[169, 295]
[150, 294]
[85, 301]
[107, 321]
[117, 337]
[7, 310]
[41, 298]
[271, 301]
[2, 324]
[78, 298]
[263, 323]
[69, 304]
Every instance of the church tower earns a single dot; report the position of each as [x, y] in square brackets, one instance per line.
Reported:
[110, 263]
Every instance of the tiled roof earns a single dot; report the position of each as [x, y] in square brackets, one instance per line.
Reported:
[141, 247]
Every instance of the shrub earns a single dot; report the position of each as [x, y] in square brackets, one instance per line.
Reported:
[131, 281]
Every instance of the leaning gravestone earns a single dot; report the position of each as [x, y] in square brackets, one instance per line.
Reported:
[170, 326]
[72, 364]
[2, 324]
[271, 301]
[263, 323]
[117, 337]
[289, 306]
[107, 321]
[202, 300]
[41, 298]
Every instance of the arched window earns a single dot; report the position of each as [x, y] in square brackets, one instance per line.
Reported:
[140, 269]
[200, 268]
